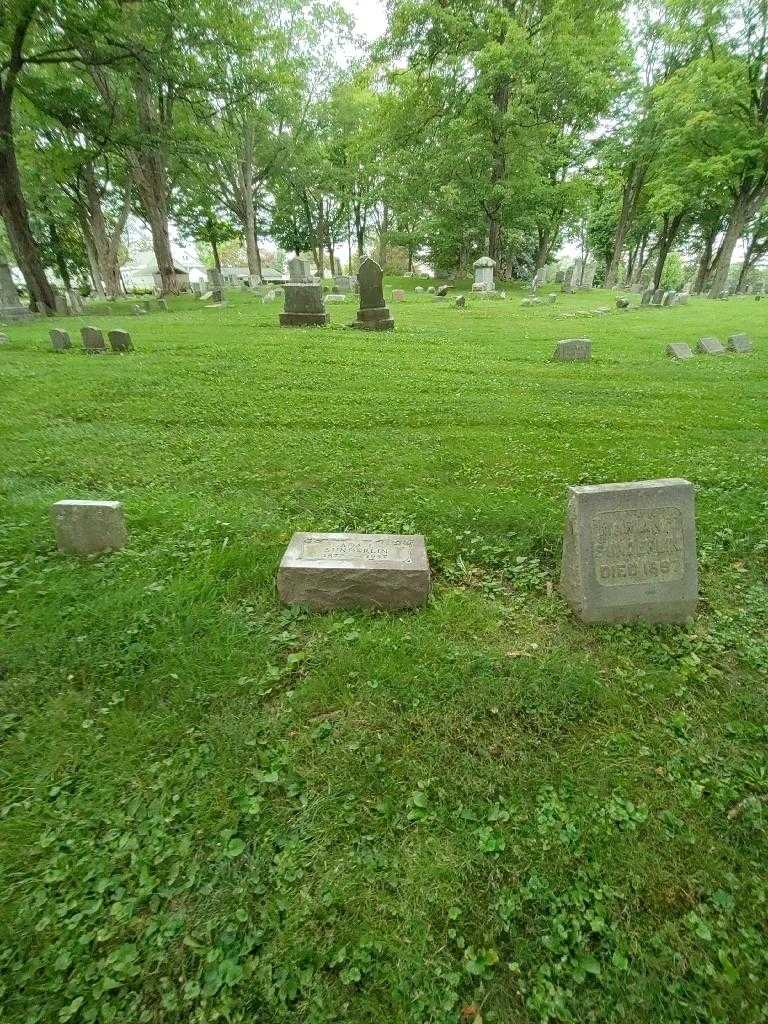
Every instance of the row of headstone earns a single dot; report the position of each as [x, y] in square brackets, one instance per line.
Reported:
[93, 341]
[629, 553]
[661, 297]
[304, 301]
[580, 276]
[710, 346]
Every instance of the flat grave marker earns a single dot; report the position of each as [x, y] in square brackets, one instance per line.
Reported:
[89, 527]
[739, 343]
[710, 347]
[573, 350]
[679, 350]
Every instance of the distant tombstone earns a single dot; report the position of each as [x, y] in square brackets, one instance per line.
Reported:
[681, 299]
[120, 341]
[60, 341]
[431, 290]
[739, 343]
[398, 295]
[658, 297]
[539, 279]
[10, 306]
[89, 527]
[299, 269]
[93, 340]
[217, 296]
[344, 283]
[559, 276]
[525, 303]
[647, 296]
[483, 269]
[335, 297]
[419, 290]
[668, 299]
[622, 303]
[461, 302]
[146, 306]
[373, 314]
[324, 571]
[303, 305]
[552, 298]
[588, 276]
[162, 305]
[62, 309]
[629, 552]
[679, 350]
[577, 350]
[139, 311]
[710, 347]
[205, 296]
[443, 290]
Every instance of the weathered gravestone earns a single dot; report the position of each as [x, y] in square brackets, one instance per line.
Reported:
[147, 305]
[88, 527]
[573, 350]
[303, 305]
[419, 290]
[354, 570]
[681, 299]
[461, 302]
[120, 341]
[299, 269]
[139, 311]
[162, 305]
[217, 296]
[335, 297]
[559, 276]
[373, 315]
[658, 297]
[710, 347]
[679, 350]
[431, 290]
[629, 552]
[622, 303]
[344, 283]
[483, 269]
[60, 341]
[552, 298]
[739, 343]
[60, 304]
[398, 295]
[10, 306]
[646, 297]
[93, 340]
[443, 290]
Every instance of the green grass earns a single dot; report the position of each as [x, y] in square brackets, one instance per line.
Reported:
[216, 809]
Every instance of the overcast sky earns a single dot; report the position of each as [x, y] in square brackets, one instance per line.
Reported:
[370, 16]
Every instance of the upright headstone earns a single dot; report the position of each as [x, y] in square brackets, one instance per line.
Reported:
[344, 283]
[679, 350]
[62, 309]
[483, 269]
[461, 302]
[93, 340]
[552, 298]
[120, 341]
[89, 527]
[299, 269]
[373, 314]
[647, 296]
[303, 304]
[629, 552]
[324, 571]
[668, 298]
[573, 350]
[10, 306]
[739, 343]
[658, 297]
[622, 303]
[162, 305]
[443, 290]
[60, 341]
[559, 277]
[710, 347]
[588, 276]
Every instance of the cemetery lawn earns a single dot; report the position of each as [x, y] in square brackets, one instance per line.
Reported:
[216, 809]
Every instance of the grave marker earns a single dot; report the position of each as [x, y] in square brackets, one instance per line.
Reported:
[372, 315]
[352, 570]
[120, 341]
[483, 269]
[303, 305]
[60, 341]
[93, 340]
[629, 552]
[573, 350]
[679, 350]
[89, 527]
[710, 347]
[739, 343]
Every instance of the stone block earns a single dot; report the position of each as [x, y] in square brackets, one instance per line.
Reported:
[89, 527]
[577, 350]
[710, 347]
[739, 343]
[60, 341]
[304, 306]
[629, 552]
[93, 340]
[324, 571]
[120, 341]
[461, 302]
[679, 350]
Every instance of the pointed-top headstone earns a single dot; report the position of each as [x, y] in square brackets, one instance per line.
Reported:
[299, 269]
[373, 314]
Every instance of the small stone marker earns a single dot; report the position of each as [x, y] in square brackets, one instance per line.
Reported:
[646, 297]
[431, 290]
[303, 305]
[60, 341]
[120, 341]
[147, 306]
[373, 315]
[552, 298]
[679, 350]
[398, 295]
[93, 340]
[622, 303]
[658, 297]
[443, 290]
[739, 343]
[419, 290]
[573, 350]
[335, 297]
[710, 347]
[139, 311]
[205, 296]
[629, 552]
[162, 305]
[355, 570]
[461, 302]
[88, 527]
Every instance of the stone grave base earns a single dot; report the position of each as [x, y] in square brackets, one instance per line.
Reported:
[304, 319]
[378, 319]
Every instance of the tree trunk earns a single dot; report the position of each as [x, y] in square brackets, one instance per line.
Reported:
[13, 210]
[630, 196]
[61, 263]
[744, 207]
[93, 258]
[498, 169]
[383, 237]
[705, 262]
[321, 241]
[249, 208]
[542, 248]
[666, 241]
